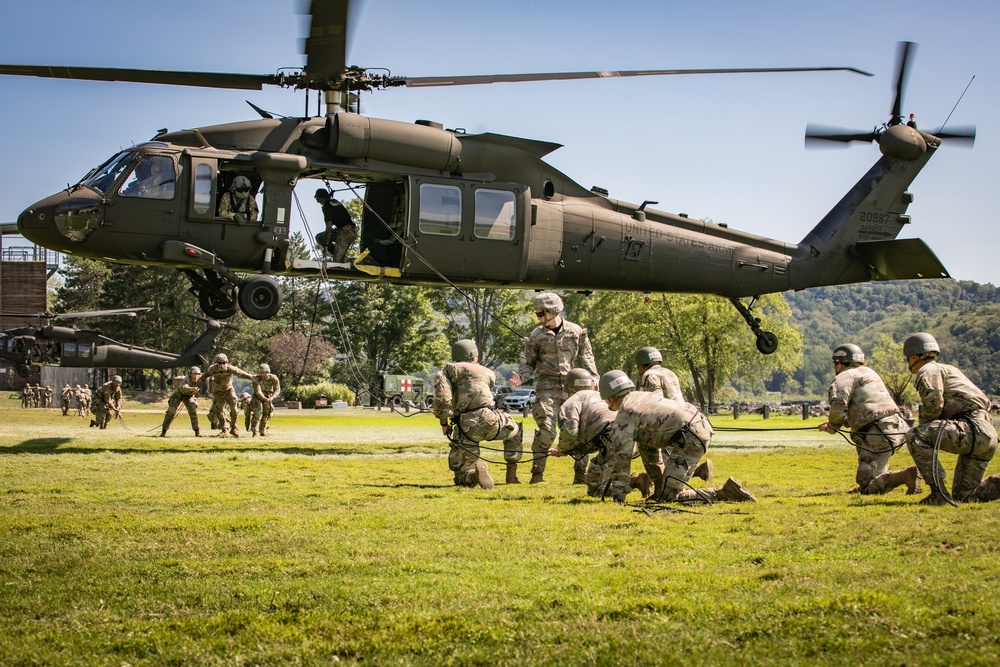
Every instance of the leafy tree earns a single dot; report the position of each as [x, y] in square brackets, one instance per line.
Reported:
[887, 360]
[296, 358]
[494, 318]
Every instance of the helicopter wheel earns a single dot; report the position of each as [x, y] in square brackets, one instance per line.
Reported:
[215, 308]
[767, 342]
[260, 297]
[22, 371]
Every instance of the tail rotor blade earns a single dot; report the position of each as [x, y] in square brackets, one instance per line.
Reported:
[820, 133]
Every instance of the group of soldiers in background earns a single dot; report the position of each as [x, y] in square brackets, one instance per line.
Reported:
[614, 420]
[36, 396]
[258, 405]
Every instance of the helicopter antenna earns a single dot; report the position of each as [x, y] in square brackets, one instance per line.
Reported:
[959, 101]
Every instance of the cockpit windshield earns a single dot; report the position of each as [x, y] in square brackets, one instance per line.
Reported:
[107, 174]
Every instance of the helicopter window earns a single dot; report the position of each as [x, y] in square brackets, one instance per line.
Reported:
[105, 177]
[495, 211]
[440, 209]
[202, 188]
[152, 178]
[83, 350]
[69, 349]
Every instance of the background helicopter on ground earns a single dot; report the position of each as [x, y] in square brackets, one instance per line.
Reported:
[479, 209]
[69, 347]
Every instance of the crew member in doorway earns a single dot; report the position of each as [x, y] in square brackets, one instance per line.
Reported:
[340, 231]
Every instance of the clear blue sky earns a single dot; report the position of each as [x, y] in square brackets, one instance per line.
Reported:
[727, 148]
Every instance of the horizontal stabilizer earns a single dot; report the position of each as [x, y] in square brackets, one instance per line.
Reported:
[900, 259]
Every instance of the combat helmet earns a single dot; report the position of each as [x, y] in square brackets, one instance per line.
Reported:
[848, 353]
[921, 344]
[194, 370]
[578, 379]
[548, 301]
[647, 356]
[613, 383]
[464, 350]
[263, 368]
[241, 186]
[117, 378]
[221, 358]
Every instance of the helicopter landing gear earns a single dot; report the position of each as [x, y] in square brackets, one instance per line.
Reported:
[217, 308]
[260, 297]
[215, 296]
[767, 342]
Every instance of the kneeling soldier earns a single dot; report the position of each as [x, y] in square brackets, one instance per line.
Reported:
[584, 423]
[187, 394]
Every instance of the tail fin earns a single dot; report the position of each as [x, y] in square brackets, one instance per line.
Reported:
[198, 352]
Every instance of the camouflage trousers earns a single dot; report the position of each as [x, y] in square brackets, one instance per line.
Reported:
[102, 414]
[337, 247]
[875, 446]
[64, 404]
[974, 440]
[192, 409]
[474, 427]
[260, 414]
[669, 468]
[224, 402]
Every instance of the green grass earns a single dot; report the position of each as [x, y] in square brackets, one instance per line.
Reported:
[341, 539]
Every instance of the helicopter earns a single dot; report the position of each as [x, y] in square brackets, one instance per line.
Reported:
[442, 206]
[69, 347]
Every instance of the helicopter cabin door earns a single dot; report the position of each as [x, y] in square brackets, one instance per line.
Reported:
[466, 230]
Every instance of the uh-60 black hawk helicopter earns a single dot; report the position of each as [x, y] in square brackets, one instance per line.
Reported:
[443, 206]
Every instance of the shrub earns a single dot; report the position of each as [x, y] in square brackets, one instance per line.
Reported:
[307, 393]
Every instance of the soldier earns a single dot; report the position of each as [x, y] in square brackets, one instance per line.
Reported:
[107, 400]
[244, 405]
[266, 388]
[858, 397]
[223, 393]
[463, 403]
[672, 437]
[237, 204]
[27, 396]
[47, 397]
[36, 396]
[87, 396]
[584, 424]
[340, 228]
[549, 352]
[65, 398]
[81, 410]
[654, 377]
[955, 417]
[187, 394]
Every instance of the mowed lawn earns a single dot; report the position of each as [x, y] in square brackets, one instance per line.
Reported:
[341, 540]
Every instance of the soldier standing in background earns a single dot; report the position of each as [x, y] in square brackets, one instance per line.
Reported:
[463, 404]
[223, 393]
[36, 396]
[187, 394]
[244, 405]
[858, 398]
[654, 377]
[87, 400]
[27, 395]
[107, 400]
[65, 398]
[549, 353]
[266, 387]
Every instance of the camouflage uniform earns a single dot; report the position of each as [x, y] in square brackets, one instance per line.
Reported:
[187, 394]
[340, 232]
[244, 405]
[65, 398]
[549, 354]
[82, 406]
[662, 380]
[266, 388]
[87, 401]
[238, 205]
[107, 399]
[584, 421]
[36, 396]
[956, 414]
[463, 395]
[224, 395]
[27, 396]
[858, 397]
[47, 397]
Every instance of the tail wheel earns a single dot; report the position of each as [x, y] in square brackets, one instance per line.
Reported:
[767, 342]
[260, 297]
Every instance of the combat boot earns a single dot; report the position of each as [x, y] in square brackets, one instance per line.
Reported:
[234, 433]
[197, 434]
[705, 470]
[640, 481]
[163, 433]
[988, 489]
[536, 475]
[935, 497]
[93, 423]
[908, 476]
[732, 491]
[253, 434]
[579, 476]
[483, 475]
[512, 474]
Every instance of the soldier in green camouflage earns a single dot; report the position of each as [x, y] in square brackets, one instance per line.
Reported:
[549, 354]
[65, 398]
[463, 404]
[107, 401]
[671, 436]
[244, 405]
[186, 393]
[27, 396]
[859, 399]
[954, 417]
[266, 388]
[654, 377]
[584, 424]
[223, 393]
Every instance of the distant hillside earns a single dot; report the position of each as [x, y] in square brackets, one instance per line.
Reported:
[964, 316]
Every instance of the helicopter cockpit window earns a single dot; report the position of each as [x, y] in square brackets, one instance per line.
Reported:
[104, 178]
[440, 209]
[83, 350]
[495, 211]
[152, 178]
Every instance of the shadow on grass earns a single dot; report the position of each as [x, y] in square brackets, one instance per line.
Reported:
[58, 446]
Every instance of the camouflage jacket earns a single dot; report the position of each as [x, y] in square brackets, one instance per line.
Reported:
[945, 392]
[223, 379]
[110, 395]
[662, 380]
[582, 419]
[66, 394]
[186, 391]
[266, 387]
[550, 354]
[651, 421]
[858, 397]
[460, 387]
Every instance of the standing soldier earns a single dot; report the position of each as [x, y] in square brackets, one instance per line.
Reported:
[223, 393]
[65, 398]
[244, 405]
[463, 404]
[36, 396]
[87, 396]
[107, 399]
[47, 397]
[549, 352]
[858, 397]
[187, 394]
[654, 377]
[27, 395]
[955, 417]
[266, 388]
[672, 436]
[340, 231]
[81, 411]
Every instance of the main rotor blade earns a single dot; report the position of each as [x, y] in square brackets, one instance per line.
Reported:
[416, 82]
[903, 53]
[326, 46]
[128, 312]
[173, 78]
[817, 133]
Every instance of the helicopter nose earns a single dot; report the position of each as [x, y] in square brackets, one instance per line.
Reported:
[61, 221]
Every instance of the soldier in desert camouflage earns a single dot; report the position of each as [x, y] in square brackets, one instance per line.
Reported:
[654, 377]
[266, 388]
[223, 393]
[186, 394]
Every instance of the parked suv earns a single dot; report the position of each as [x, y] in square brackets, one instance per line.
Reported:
[500, 393]
[519, 399]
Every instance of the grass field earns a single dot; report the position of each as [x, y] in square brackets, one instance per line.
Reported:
[340, 539]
